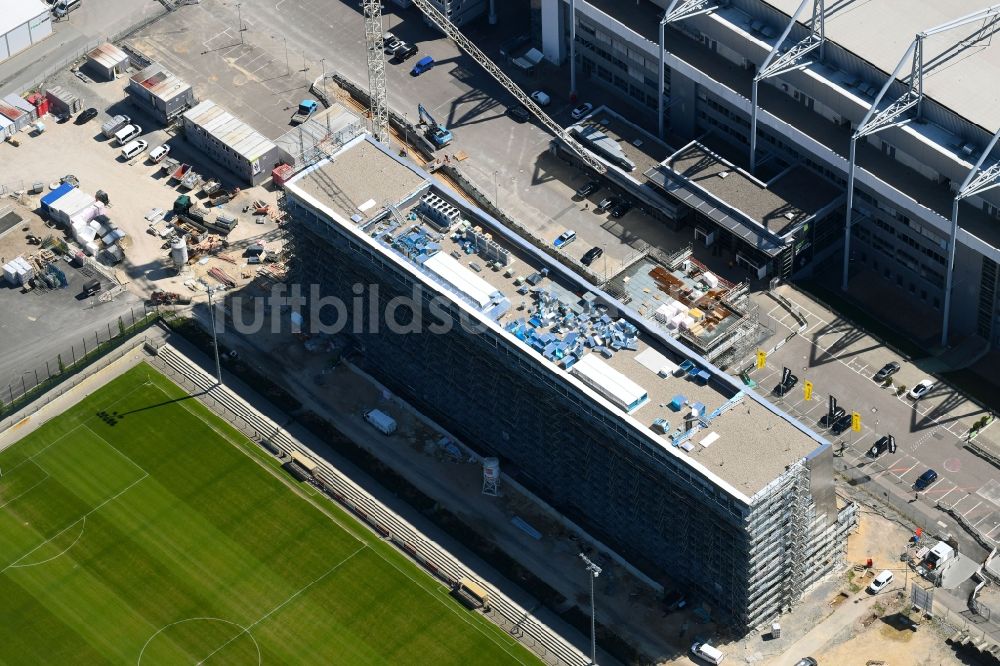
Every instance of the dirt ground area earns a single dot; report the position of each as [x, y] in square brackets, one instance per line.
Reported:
[895, 645]
[878, 538]
[134, 188]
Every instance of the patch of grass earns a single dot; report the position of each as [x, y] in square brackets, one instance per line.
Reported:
[134, 529]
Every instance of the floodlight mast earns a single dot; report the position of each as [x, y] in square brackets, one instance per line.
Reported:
[897, 114]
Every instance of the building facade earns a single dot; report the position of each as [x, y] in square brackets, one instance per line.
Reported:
[749, 548]
[22, 23]
[908, 171]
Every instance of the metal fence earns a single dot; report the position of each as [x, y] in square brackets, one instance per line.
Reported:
[47, 373]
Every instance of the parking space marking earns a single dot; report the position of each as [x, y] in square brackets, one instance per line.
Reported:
[950, 491]
[971, 510]
[989, 534]
[930, 488]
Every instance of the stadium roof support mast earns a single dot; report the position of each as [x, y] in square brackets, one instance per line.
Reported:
[470, 49]
[898, 113]
[676, 11]
[375, 49]
[780, 62]
[979, 180]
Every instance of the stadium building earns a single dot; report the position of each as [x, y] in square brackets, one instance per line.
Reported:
[892, 103]
[598, 410]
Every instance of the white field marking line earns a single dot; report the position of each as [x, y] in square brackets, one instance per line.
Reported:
[72, 430]
[20, 495]
[284, 603]
[971, 510]
[346, 528]
[447, 603]
[95, 509]
[83, 526]
[200, 619]
[115, 449]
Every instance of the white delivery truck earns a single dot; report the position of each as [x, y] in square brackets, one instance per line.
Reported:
[381, 421]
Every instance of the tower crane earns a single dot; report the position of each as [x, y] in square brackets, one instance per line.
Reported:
[375, 45]
[376, 74]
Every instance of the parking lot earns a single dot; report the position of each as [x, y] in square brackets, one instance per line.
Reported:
[840, 360]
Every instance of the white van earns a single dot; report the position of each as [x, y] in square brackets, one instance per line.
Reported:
[134, 148]
[64, 7]
[381, 421]
[706, 652]
[127, 133]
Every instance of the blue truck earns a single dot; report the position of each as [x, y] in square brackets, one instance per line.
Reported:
[307, 108]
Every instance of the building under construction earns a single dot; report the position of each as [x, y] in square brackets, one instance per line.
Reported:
[593, 406]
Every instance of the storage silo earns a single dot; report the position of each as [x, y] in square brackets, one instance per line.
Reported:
[179, 253]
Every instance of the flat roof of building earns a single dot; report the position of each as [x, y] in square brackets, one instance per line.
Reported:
[15, 12]
[108, 55]
[762, 213]
[160, 82]
[880, 32]
[230, 131]
[359, 182]
[754, 443]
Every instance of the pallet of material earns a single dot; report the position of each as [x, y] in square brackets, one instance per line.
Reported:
[222, 277]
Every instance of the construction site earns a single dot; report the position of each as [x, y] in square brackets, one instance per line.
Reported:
[732, 498]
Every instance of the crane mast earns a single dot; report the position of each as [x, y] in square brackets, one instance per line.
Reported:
[375, 47]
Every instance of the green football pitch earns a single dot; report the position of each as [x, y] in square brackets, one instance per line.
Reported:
[139, 528]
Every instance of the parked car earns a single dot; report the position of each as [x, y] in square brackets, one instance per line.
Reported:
[592, 255]
[841, 424]
[404, 51]
[519, 113]
[424, 64]
[888, 370]
[925, 479]
[588, 188]
[391, 41]
[134, 148]
[157, 154]
[784, 387]
[829, 419]
[884, 443]
[921, 389]
[707, 653]
[807, 661]
[582, 110]
[565, 238]
[880, 582]
[604, 204]
[86, 116]
[620, 208]
[541, 98]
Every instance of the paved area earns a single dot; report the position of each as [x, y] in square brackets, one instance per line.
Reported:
[840, 360]
[94, 22]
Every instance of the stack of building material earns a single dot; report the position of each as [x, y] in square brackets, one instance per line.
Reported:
[18, 272]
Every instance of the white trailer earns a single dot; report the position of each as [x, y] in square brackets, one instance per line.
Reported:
[381, 421]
